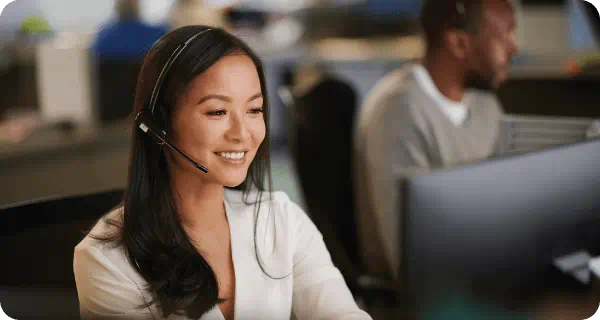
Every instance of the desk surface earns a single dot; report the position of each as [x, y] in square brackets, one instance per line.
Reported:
[557, 306]
[566, 307]
[51, 140]
[563, 300]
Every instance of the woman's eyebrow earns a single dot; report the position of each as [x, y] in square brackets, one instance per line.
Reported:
[256, 96]
[214, 96]
[226, 98]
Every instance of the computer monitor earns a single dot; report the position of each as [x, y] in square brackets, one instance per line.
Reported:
[500, 224]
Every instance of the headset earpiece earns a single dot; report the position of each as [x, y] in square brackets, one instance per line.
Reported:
[145, 122]
[463, 22]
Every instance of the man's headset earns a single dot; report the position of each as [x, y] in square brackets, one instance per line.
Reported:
[146, 119]
[463, 22]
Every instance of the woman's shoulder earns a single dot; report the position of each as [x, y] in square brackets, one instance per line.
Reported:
[106, 225]
[106, 280]
[96, 246]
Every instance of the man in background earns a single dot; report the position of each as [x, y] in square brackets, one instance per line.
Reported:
[128, 38]
[438, 113]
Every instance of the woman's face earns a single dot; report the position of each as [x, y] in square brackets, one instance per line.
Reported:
[218, 121]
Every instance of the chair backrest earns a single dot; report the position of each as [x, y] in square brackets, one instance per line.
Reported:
[378, 230]
[321, 144]
[38, 241]
[529, 133]
[116, 85]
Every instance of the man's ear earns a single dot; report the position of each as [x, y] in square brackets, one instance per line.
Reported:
[459, 43]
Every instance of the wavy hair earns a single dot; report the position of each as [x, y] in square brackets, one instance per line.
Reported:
[179, 277]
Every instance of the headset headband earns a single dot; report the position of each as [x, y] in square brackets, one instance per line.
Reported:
[165, 70]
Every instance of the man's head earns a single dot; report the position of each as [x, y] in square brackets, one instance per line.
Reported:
[127, 9]
[478, 35]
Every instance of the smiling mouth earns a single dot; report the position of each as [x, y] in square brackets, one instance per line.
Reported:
[232, 155]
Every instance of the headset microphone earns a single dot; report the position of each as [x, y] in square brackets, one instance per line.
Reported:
[145, 119]
[148, 126]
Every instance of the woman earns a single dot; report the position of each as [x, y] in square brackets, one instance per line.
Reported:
[210, 244]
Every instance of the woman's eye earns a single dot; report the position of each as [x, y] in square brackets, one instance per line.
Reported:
[256, 110]
[216, 113]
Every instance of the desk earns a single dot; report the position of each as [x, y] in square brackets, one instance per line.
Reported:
[561, 300]
[555, 305]
[61, 163]
[566, 307]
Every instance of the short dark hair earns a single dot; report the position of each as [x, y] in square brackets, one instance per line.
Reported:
[439, 16]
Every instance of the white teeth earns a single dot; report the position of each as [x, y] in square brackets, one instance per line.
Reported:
[232, 155]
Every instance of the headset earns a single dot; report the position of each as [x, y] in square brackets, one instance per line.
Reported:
[463, 23]
[146, 119]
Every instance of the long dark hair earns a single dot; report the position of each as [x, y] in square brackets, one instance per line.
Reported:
[157, 246]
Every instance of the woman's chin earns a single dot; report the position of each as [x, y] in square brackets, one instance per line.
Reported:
[233, 181]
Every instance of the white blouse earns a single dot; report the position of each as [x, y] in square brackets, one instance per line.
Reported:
[288, 243]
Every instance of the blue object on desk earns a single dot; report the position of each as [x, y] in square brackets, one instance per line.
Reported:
[126, 40]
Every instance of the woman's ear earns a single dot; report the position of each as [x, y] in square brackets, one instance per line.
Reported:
[459, 43]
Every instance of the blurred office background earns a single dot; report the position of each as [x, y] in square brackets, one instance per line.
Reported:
[67, 86]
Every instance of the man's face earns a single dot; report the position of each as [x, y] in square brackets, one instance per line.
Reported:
[493, 46]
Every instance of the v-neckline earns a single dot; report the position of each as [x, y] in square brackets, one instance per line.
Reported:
[233, 260]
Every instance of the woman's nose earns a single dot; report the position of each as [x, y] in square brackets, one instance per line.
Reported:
[238, 128]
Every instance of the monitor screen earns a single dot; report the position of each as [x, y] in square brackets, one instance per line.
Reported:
[503, 221]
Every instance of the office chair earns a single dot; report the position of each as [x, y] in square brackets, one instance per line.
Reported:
[320, 124]
[116, 84]
[38, 242]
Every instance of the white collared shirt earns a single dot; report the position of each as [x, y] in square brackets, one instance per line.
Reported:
[109, 288]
